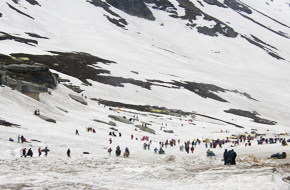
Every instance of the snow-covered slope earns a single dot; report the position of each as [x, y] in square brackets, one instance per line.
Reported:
[174, 61]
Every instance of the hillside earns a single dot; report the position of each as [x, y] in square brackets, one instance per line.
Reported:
[194, 67]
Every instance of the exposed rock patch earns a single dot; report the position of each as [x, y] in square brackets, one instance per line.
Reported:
[13, 8]
[26, 76]
[78, 99]
[35, 35]
[6, 123]
[110, 122]
[146, 129]
[79, 65]
[120, 119]
[237, 6]
[215, 2]
[252, 115]
[46, 118]
[133, 7]
[33, 2]
[6, 36]
[191, 13]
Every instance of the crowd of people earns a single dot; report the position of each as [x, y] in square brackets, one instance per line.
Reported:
[188, 146]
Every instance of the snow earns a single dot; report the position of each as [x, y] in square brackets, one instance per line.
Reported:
[169, 52]
[143, 168]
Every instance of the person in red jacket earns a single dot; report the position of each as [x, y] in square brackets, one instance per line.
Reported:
[192, 149]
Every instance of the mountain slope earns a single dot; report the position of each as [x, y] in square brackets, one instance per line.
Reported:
[202, 56]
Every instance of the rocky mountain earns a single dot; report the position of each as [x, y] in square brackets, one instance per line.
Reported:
[213, 57]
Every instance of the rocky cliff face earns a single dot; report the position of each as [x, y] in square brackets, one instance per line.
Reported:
[27, 77]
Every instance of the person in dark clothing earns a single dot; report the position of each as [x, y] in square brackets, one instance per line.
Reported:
[77, 132]
[229, 157]
[23, 152]
[30, 153]
[234, 157]
[22, 138]
[39, 152]
[68, 152]
[225, 156]
[46, 151]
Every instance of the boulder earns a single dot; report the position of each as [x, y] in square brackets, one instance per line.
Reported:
[64, 110]
[46, 118]
[78, 99]
[146, 129]
[112, 123]
[121, 119]
[168, 131]
[25, 68]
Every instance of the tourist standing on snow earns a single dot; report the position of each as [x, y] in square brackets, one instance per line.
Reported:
[39, 152]
[225, 156]
[23, 152]
[234, 157]
[30, 153]
[68, 152]
[155, 150]
[77, 132]
[46, 151]
[18, 138]
[22, 138]
[109, 151]
[192, 149]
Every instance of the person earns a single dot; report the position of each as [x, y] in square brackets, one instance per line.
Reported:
[118, 151]
[161, 151]
[181, 147]
[22, 138]
[110, 150]
[234, 157]
[110, 140]
[18, 138]
[120, 135]
[192, 149]
[39, 152]
[10, 139]
[37, 112]
[127, 149]
[23, 152]
[68, 152]
[45, 150]
[225, 156]
[77, 132]
[131, 136]
[30, 153]
[155, 150]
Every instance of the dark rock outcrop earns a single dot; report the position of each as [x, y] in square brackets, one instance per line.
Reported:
[13, 8]
[75, 64]
[6, 36]
[6, 123]
[237, 6]
[133, 7]
[33, 2]
[26, 76]
[215, 2]
[252, 115]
